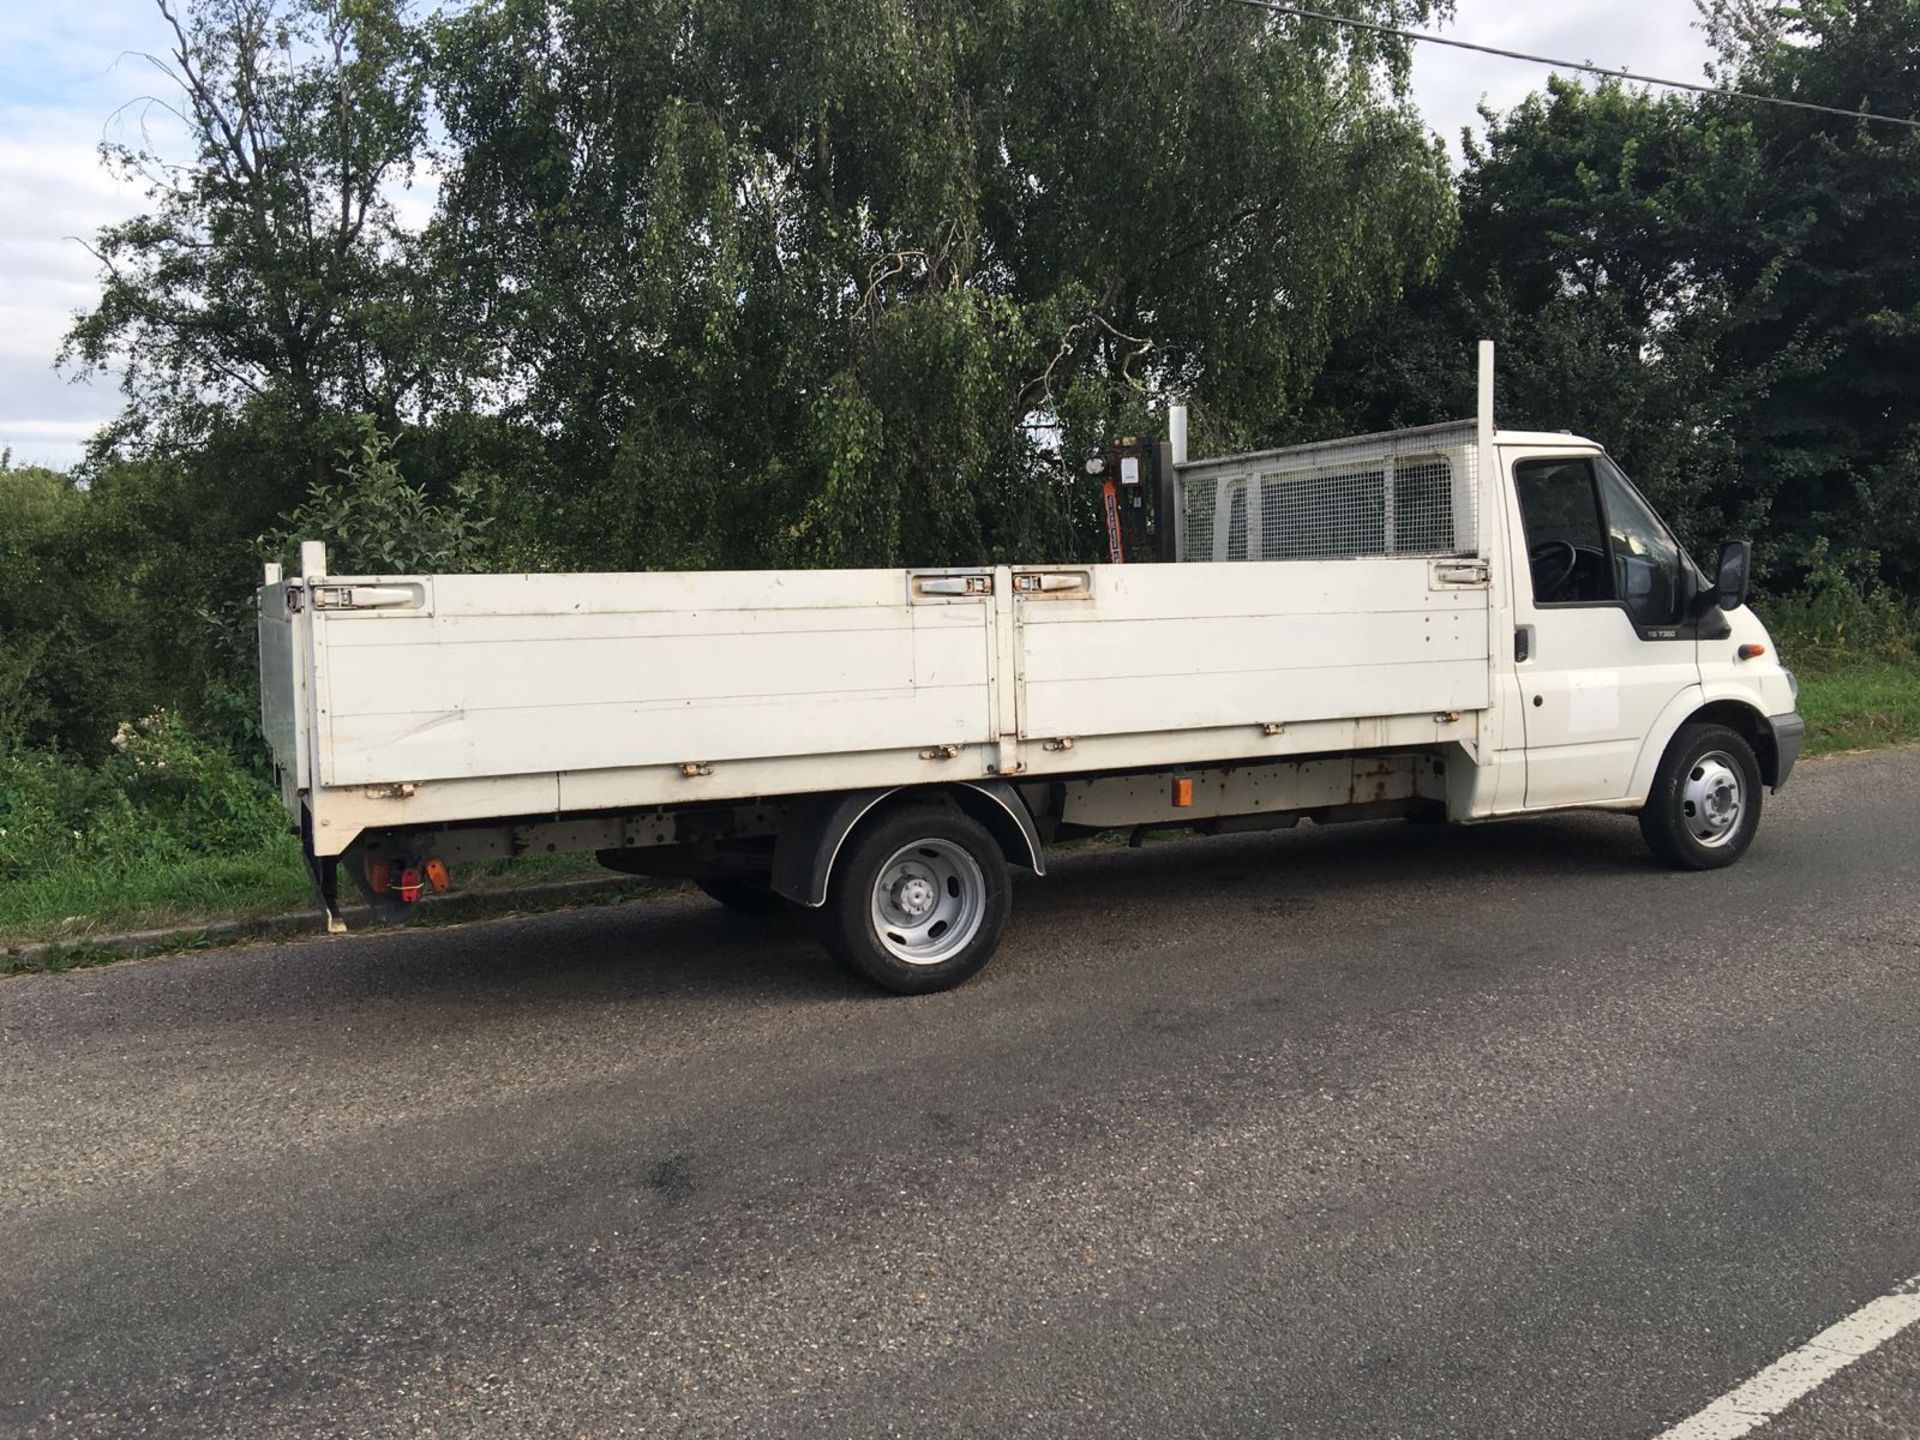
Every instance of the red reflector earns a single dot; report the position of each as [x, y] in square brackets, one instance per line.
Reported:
[1183, 792]
[410, 885]
[1752, 652]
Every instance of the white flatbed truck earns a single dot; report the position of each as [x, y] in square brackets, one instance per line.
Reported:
[1451, 622]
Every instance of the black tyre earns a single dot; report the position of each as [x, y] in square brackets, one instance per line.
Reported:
[744, 897]
[918, 899]
[1705, 803]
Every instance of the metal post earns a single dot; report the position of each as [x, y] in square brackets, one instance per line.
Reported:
[313, 559]
[1484, 495]
[1485, 415]
[1166, 521]
[1177, 432]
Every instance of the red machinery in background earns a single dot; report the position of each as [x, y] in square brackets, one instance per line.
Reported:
[1136, 499]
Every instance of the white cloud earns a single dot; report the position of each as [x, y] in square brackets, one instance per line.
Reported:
[63, 73]
[50, 53]
[55, 432]
[70, 78]
[52, 183]
[1651, 37]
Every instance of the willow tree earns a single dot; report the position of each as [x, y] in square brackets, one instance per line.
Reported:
[855, 281]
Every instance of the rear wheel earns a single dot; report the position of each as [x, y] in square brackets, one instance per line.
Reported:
[918, 900]
[1705, 802]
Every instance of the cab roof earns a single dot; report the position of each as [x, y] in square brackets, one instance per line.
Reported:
[1558, 439]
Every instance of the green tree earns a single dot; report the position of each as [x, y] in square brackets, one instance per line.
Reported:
[1726, 292]
[822, 282]
[1592, 222]
[77, 645]
[376, 523]
[270, 283]
[268, 297]
[1821, 251]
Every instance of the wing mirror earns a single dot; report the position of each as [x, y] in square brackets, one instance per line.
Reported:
[1730, 582]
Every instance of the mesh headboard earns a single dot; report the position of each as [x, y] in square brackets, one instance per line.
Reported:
[1406, 492]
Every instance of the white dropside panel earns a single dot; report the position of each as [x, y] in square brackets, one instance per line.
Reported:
[283, 693]
[520, 674]
[1177, 647]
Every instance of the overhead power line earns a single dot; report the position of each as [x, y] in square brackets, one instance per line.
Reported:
[1420, 35]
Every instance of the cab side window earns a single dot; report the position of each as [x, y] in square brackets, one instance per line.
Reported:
[1646, 561]
[1566, 534]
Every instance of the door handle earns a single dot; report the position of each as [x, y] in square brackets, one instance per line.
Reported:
[1523, 644]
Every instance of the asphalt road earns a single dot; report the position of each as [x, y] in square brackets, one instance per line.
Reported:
[1376, 1131]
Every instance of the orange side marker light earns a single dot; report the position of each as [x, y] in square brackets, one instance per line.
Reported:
[1182, 792]
[437, 873]
[379, 876]
[1752, 652]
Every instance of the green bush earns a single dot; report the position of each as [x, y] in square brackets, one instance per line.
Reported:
[1844, 616]
[376, 522]
[163, 794]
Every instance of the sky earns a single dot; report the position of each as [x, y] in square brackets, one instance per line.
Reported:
[71, 75]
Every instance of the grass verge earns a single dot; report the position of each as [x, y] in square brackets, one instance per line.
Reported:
[79, 902]
[486, 902]
[79, 899]
[1861, 707]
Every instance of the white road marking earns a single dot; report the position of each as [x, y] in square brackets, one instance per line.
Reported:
[1799, 1371]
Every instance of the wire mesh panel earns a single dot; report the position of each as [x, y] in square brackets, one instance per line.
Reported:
[1202, 504]
[1236, 536]
[1423, 506]
[1323, 517]
[1412, 492]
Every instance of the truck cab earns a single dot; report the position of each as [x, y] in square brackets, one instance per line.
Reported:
[1618, 637]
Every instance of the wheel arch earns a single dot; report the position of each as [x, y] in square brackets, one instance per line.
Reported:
[1696, 706]
[818, 828]
[1748, 723]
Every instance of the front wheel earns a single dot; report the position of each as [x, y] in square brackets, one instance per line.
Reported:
[1705, 802]
[918, 900]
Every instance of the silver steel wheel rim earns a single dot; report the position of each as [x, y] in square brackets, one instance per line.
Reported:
[1711, 801]
[929, 901]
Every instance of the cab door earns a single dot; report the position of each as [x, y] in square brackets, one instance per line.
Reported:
[1600, 613]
